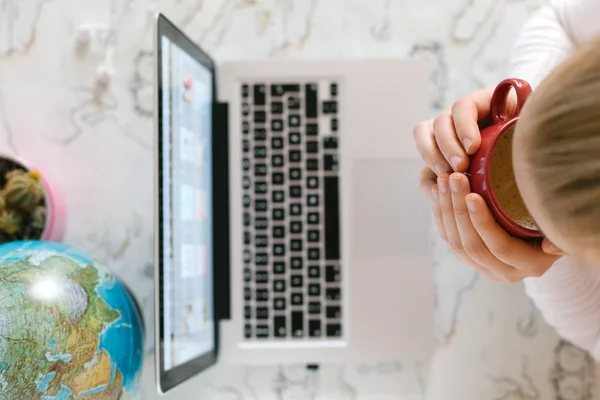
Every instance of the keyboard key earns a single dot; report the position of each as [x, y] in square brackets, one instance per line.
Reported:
[247, 219]
[247, 274]
[294, 121]
[296, 263]
[261, 241]
[279, 267]
[280, 90]
[334, 312]
[246, 201]
[247, 312]
[296, 245]
[334, 125]
[278, 214]
[296, 281]
[245, 127]
[314, 236]
[333, 89]
[248, 331]
[314, 328]
[296, 227]
[262, 331]
[279, 303]
[277, 143]
[295, 174]
[259, 92]
[246, 182]
[314, 271]
[297, 324]
[277, 160]
[314, 307]
[262, 313]
[314, 289]
[314, 254]
[312, 164]
[246, 164]
[297, 299]
[261, 223]
[330, 107]
[333, 273]
[295, 192]
[279, 249]
[278, 178]
[312, 129]
[260, 152]
[277, 125]
[312, 147]
[279, 326]
[295, 209]
[260, 134]
[245, 146]
[247, 257]
[278, 196]
[261, 276]
[262, 295]
[333, 294]
[332, 215]
[312, 200]
[330, 162]
[293, 103]
[261, 259]
[260, 205]
[278, 232]
[245, 90]
[245, 109]
[260, 170]
[312, 182]
[311, 100]
[276, 107]
[334, 330]
[294, 138]
[313, 218]
[330, 142]
[247, 238]
[260, 188]
[279, 285]
[260, 117]
[247, 293]
[295, 155]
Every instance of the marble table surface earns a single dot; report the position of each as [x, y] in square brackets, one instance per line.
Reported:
[492, 343]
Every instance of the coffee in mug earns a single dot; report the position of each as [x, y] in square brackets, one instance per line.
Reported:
[503, 181]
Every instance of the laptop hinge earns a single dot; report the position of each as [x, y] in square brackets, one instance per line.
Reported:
[222, 273]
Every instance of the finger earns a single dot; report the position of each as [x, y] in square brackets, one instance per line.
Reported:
[550, 248]
[502, 245]
[445, 201]
[466, 113]
[428, 180]
[448, 143]
[437, 214]
[428, 148]
[471, 241]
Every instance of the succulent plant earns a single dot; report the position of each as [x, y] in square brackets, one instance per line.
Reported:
[23, 190]
[38, 217]
[10, 222]
[2, 202]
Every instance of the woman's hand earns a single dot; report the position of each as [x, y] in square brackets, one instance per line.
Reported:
[463, 219]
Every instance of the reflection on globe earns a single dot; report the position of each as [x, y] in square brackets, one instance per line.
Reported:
[68, 328]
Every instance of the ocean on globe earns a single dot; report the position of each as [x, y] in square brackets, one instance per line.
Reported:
[68, 328]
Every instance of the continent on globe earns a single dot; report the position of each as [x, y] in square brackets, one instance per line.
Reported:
[68, 328]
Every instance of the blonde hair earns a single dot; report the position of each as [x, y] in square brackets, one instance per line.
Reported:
[562, 142]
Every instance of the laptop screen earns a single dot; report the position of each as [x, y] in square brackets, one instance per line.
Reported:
[187, 320]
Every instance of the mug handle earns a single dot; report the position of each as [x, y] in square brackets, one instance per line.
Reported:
[498, 106]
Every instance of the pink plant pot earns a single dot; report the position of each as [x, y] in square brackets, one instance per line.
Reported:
[56, 212]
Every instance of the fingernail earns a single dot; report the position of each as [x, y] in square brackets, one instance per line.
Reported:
[434, 194]
[440, 169]
[443, 185]
[467, 144]
[455, 160]
[455, 185]
[471, 205]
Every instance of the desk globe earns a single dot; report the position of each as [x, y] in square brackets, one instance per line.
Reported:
[68, 328]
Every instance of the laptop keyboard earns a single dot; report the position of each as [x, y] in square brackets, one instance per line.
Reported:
[292, 257]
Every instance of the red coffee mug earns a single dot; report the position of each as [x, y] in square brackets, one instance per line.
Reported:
[479, 169]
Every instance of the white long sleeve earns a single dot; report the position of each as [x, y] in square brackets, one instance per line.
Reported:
[568, 295]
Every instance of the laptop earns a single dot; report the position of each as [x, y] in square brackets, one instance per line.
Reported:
[289, 223]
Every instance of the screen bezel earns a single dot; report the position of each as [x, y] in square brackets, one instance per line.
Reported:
[168, 379]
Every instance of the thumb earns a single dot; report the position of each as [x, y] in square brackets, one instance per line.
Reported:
[549, 248]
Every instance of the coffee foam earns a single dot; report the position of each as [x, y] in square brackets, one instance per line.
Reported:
[503, 181]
